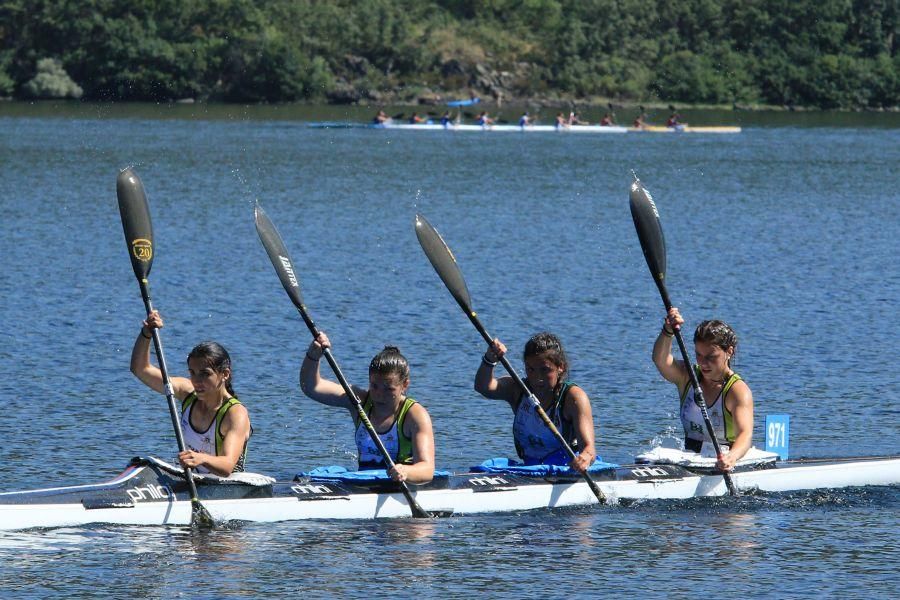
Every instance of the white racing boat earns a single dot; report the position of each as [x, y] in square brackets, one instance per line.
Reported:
[507, 128]
[499, 127]
[152, 492]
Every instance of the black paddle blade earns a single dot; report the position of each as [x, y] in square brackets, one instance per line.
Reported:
[200, 517]
[278, 254]
[649, 230]
[443, 261]
[135, 213]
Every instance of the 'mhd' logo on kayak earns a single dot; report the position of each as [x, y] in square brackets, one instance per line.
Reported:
[310, 489]
[649, 472]
[150, 492]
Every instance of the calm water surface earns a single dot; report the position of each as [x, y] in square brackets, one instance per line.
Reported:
[790, 234]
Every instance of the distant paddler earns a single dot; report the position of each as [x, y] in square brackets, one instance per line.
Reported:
[416, 119]
[731, 406]
[567, 405]
[608, 119]
[561, 121]
[640, 121]
[575, 119]
[216, 425]
[402, 424]
[381, 118]
[525, 120]
[674, 121]
[484, 120]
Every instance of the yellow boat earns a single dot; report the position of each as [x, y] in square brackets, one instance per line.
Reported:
[687, 129]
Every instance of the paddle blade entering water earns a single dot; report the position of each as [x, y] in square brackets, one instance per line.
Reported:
[443, 261]
[649, 230]
[278, 254]
[135, 212]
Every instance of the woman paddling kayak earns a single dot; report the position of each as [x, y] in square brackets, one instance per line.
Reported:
[731, 407]
[216, 425]
[403, 424]
[567, 405]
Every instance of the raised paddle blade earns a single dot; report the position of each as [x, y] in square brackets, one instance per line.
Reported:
[443, 261]
[136, 222]
[278, 254]
[649, 230]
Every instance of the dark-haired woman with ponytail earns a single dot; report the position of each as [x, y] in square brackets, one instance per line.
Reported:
[215, 424]
[567, 405]
[403, 424]
[728, 397]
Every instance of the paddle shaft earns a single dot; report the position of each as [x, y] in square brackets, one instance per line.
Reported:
[169, 391]
[417, 511]
[284, 268]
[473, 317]
[695, 383]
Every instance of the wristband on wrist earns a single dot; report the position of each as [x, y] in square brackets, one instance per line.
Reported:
[492, 363]
[666, 332]
[311, 358]
[147, 337]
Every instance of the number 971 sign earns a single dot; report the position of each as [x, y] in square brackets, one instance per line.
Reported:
[778, 429]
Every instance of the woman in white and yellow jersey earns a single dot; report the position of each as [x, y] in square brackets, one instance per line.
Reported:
[728, 397]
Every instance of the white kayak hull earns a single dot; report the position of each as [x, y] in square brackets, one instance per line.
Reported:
[151, 493]
[504, 128]
[510, 128]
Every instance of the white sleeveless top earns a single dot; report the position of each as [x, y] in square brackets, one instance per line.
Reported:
[721, 418]
[198, 441]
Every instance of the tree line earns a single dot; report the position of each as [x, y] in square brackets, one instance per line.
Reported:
[816, 53]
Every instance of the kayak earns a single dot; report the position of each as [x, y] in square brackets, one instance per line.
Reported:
[507, 128]
[685, 129]
[152, 492]
[504, 128]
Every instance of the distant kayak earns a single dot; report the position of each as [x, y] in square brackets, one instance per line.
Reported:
[500, 128]
[686, 129]
[506, 128]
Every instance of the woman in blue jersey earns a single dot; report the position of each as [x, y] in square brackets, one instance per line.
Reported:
[728, 397]
[567, 405]
[402, 423]
[216, 426]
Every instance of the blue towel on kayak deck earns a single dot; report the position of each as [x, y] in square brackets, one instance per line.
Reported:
[337, 473]
[505, 465]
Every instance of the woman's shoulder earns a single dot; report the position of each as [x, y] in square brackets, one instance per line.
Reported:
[417, 416]
[415, 407]
[739, 387]
[237, 410]
[574, 393]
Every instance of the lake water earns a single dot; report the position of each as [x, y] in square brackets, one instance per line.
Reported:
[789, 233]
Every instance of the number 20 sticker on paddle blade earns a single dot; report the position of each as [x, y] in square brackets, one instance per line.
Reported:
[778, 429]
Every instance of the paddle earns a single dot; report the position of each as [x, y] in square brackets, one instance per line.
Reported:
[135, 212]
[444, 263]
[649, 230]
[284, 267]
